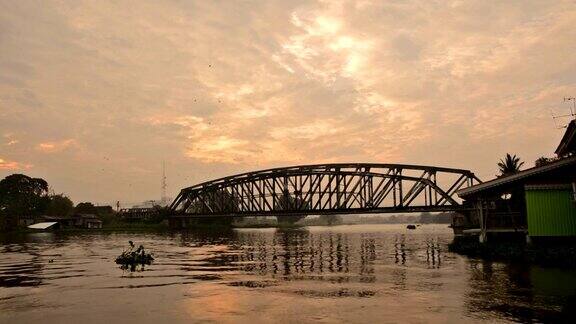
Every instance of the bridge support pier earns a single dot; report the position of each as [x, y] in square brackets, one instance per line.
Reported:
[483, 237]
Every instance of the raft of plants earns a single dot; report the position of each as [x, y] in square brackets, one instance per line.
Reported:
[134, 257]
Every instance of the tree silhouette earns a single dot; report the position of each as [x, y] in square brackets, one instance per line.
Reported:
[21, 195]
[85, 208]
[59, 205]
[290, 202]
[220, 200]
[509, 165]
[543, 161]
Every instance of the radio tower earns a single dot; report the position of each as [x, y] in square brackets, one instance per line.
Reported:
[163, 198]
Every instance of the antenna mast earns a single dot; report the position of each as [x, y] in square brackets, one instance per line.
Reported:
[573, 108]
[572, 113]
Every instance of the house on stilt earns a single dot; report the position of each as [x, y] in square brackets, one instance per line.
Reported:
[536, 204]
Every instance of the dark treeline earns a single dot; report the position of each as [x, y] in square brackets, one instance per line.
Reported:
[328, 220]
[423, 218]
[22, 196]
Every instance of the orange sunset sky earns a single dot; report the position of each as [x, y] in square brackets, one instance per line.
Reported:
[94, 95]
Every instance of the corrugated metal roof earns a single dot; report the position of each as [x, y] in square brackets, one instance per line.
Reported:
[44, 225]
[516, 177]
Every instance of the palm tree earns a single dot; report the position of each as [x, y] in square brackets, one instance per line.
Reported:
[509, 165]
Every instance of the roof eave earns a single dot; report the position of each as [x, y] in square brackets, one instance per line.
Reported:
[462, 193]
[568, 138]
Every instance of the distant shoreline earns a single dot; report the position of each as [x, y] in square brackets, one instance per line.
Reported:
[139, 227]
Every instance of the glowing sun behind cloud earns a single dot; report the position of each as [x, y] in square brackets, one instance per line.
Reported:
[95, 94]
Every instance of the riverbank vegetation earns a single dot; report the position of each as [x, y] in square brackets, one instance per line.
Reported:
[264, 222]
[25, 200]
[330, 220]
[23, 196]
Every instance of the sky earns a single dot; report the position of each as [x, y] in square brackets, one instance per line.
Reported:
[95, 95]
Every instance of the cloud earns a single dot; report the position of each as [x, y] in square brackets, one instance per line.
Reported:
[10, 139]
[13, 165]
[57, 146]
[97, 94]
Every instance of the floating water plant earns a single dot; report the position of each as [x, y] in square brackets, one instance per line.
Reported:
[134, 257]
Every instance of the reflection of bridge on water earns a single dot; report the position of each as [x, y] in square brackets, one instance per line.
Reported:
[325, 256]
[326, 189]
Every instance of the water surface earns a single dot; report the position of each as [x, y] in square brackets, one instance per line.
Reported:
[360, 273]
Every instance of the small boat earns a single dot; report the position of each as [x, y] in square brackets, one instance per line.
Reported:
[44, 226]
[411, 226]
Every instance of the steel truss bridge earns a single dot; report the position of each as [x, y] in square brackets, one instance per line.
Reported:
[327, 189]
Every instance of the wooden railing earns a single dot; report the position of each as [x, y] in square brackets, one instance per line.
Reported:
[505, 220]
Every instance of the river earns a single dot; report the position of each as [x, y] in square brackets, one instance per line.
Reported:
[351, 273]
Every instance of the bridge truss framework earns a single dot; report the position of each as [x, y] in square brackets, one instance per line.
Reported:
[327, 189]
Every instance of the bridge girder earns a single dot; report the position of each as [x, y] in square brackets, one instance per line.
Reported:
[327, 189]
